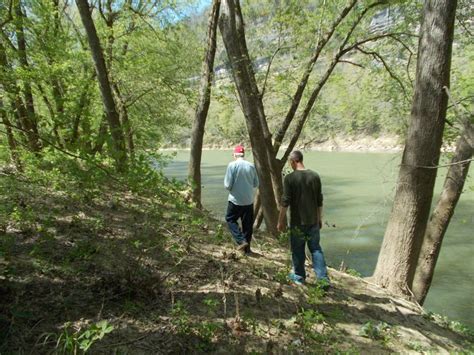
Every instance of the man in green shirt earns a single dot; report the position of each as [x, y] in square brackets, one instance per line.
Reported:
[302, 193]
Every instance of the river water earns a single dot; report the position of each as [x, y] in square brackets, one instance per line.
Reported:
[358, 191]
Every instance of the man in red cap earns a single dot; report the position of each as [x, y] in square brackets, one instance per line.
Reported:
[240, 179]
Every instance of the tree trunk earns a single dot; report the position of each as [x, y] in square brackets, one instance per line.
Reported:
[118, 149]
[110, 17]
[80, 108]
[29, 120]
[231, 27]
[442, 214]
[10, 138]
[194, 167]
[125, 120]
[407, 223]
[101, 135]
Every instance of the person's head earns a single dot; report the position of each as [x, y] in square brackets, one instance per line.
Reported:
[295, 158]
[239, 151]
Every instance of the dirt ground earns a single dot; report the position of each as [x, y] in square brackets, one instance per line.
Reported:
[126, 274]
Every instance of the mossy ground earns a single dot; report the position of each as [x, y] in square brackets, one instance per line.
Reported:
[165, 279]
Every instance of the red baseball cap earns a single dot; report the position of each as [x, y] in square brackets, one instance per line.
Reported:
[239, 150]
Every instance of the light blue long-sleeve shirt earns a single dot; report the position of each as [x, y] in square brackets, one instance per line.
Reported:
[240, 179]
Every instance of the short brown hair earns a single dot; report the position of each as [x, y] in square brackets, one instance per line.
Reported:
[296, 156]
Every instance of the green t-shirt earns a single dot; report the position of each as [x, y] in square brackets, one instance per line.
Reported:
[302, 193]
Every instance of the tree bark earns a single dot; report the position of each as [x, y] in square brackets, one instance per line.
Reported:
[15, 158]
[109, 17]
[101, 135]
[231, 27]
[125, 120]
[80, 108]
[407, 223]
[207, 71]
[118, 150]
[441, 216]
[29, 121]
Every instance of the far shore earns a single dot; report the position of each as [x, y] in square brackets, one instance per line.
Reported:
[337, 144]
[383, 144]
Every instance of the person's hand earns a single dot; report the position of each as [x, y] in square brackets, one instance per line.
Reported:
[320, 224]
[281, 227]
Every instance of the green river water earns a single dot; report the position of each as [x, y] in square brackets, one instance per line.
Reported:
[358, 191]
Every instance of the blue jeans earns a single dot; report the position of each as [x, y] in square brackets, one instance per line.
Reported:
[245, 214]
[299, 236]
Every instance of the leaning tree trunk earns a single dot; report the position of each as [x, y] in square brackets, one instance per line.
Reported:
[407, 223]
[231, 27]
[442, 213]
[194, 167]
[118, 150]
[29, 120]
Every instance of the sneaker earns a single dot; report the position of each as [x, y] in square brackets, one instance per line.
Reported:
[295, 279]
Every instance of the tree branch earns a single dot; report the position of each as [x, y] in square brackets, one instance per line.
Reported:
[268, 71]
[352, 63]
[138, 97]
[379, 57]
[296, 99]
[10, 14]
[9, 42]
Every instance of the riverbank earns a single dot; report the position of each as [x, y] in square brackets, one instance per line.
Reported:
[348, 144]
[112, 270]
[363, 144]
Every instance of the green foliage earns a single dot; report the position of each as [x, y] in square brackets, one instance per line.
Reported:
[70, 341]
[417, 347]
[281, 276]
[211, 304]
[219, 234]
[180, 318]
[353, 272]
[317, 292]
[306, 318]
[445, 322]
[83, 250]
[284, 238]
[207, 331]
[380, 331]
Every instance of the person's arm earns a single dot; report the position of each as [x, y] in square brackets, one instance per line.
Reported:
[229, 178]
[320, 216]
[281, 219]
[320, 203]
[285, 202]
[255, 178]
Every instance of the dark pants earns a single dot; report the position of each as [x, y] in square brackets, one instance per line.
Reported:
[245, 214]
[300, 236]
